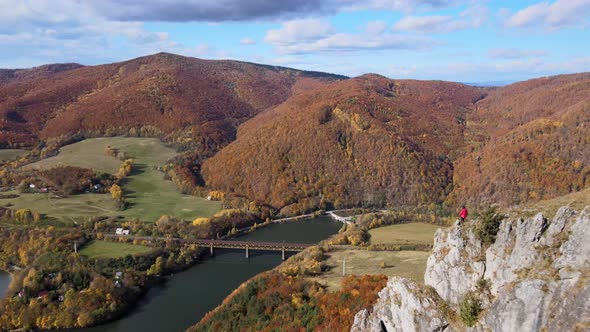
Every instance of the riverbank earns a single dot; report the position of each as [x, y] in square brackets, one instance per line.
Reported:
[187, 296]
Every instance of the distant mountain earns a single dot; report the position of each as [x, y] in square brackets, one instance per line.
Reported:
[200, 100]
[489, 84]
[11, 75]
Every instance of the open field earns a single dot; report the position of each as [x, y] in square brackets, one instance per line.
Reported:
[578, 201]
[105, 249]
[148, 194]
[412, 233]
[89, 153]
[74, 208]
[407, 264]
[11, 154]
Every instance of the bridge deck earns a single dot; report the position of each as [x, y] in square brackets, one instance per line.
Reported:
[230, 244]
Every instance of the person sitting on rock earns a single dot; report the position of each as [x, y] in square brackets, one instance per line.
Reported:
[463, 214]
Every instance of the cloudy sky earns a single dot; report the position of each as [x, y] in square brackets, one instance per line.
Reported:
[459, 40]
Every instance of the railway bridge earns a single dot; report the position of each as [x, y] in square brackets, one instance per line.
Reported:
[228, 244]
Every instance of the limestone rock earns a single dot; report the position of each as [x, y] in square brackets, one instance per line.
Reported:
[538, 272]
[455, 265]
[401, 307]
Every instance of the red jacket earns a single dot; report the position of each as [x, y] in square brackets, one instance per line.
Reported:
[463, 213]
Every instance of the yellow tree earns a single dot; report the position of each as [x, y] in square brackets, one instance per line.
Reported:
[116, 192]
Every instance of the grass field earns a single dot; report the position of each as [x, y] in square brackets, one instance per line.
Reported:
[412, 233]
[90, 154]
[148, 194]
[11, 154]
[407, 264]
[104, 249]
[577, 201]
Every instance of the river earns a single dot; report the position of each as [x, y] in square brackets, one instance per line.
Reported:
[4, 282]
[189, 295]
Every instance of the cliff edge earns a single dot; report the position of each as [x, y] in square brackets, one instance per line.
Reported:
[535, 276]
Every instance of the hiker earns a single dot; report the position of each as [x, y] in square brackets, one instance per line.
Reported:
[463, 214]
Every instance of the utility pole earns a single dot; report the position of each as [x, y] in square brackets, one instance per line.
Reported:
[75, 247]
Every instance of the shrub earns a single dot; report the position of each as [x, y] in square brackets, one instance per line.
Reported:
[469, 309]
[489, 226]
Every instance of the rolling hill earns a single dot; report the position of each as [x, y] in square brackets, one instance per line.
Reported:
[299, 140]
[529, 141]
[193, 100]
[373, 141]
[364, 141]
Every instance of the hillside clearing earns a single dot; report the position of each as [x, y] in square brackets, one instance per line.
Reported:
[577, 201]
[11, 154]
[105, 249]
[148, 194]
[89, 153]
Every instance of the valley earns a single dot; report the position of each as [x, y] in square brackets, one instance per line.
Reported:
[167, 148]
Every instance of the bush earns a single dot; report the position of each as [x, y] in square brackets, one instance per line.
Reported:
[469, 309]
[489, 226]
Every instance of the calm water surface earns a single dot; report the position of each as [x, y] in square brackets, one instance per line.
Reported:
[189, 295]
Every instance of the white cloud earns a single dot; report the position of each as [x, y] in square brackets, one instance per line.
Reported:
[421, 23]
[472, 17]
[342, 42]
[561, 13]
[297, 31]
[247, 41]
[375, 27]
[317, 35]
[513, 53]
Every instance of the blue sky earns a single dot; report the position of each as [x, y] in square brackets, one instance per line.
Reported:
[468, 41]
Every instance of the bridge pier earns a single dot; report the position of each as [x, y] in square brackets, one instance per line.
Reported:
[247, 252]
[211, 249]
[283, 253]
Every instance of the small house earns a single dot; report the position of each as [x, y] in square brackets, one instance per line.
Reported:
[118, 275]
[125, 232]
[119, 231]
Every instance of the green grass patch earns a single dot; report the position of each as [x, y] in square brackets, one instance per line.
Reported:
[11, 154]
[148, 194]
[406, 264]
[90, 153]
[400, 234]
[105, 249]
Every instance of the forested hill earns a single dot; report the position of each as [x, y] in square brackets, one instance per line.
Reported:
[364, 141]
[374, 141]
[188, 98]
[309, 140]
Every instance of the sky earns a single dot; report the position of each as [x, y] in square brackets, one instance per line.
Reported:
[456, 40]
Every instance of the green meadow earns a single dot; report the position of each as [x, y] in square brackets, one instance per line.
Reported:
[105, 249]
[148, 194]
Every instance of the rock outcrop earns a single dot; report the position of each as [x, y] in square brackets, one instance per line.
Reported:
[534, 277]
[402, 306]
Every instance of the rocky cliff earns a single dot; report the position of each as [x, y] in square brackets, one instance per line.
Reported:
[535, 276]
